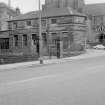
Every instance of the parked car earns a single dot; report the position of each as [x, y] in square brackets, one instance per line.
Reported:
[99, 46]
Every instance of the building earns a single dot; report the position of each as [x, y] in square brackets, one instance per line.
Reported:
[75, 4]
[64, 30]
[96, 22]
[5, 13]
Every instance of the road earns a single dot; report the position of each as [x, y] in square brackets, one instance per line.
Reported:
[79, 82]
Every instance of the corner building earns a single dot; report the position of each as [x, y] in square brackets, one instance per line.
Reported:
[63, 30]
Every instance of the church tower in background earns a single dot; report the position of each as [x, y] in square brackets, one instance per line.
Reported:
[75, 4]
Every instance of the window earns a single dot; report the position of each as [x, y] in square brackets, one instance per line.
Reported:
[15, 25]
[95, 20]
[53, 21]
[78, 19]
[4, 43]
[54, 38]
[44, 23]
[65, 43]
[28, 23]
[44, 36]
[54, 34]
[65, 40]
[10, 25]
[35, 39]
[16, 40]
[24, 40]
[0, 26]
[66, 20]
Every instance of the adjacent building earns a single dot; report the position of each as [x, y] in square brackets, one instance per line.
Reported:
[5, 13]
[75, 4]
[96, 22]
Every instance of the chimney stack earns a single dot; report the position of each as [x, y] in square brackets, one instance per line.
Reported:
[18, 11]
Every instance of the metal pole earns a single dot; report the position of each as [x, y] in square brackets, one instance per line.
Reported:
[40, 35]
[9, 5]
[85, 42]
[86, 35]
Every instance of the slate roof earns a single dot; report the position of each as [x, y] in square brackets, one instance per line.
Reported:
[48, 13]
[3, 5]
[95, 9]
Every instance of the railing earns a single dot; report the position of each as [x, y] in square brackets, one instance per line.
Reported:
[9, 52]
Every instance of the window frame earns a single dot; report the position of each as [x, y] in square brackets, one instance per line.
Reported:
[29, 23]
[25, 39]
[16, 38]
[52, 21]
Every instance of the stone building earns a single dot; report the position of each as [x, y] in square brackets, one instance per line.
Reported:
[75, 4]
[96, 22]
[5, 13]
[63, 30]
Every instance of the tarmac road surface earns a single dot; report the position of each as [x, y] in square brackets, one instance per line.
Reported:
[80, 82]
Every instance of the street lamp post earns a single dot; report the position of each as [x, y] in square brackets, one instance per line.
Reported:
[9, 5]
[40, 35]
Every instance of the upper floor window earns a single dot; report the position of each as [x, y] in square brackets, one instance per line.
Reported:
[43, 22]
[66, 20]
[28, 23]
[15, 25]
[78, 19]
[53, 21]
[10, 25]
[95, 20]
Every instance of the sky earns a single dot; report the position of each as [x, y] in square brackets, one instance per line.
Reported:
[31, 5]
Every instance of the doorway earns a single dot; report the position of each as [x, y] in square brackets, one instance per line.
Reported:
[102, 38]
[35, 39]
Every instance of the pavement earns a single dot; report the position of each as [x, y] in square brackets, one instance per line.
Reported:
[90, 53]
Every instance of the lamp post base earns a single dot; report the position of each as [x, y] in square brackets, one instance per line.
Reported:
[41, 60]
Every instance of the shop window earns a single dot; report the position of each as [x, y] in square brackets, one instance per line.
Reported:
[16, 40]
[25, 40]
